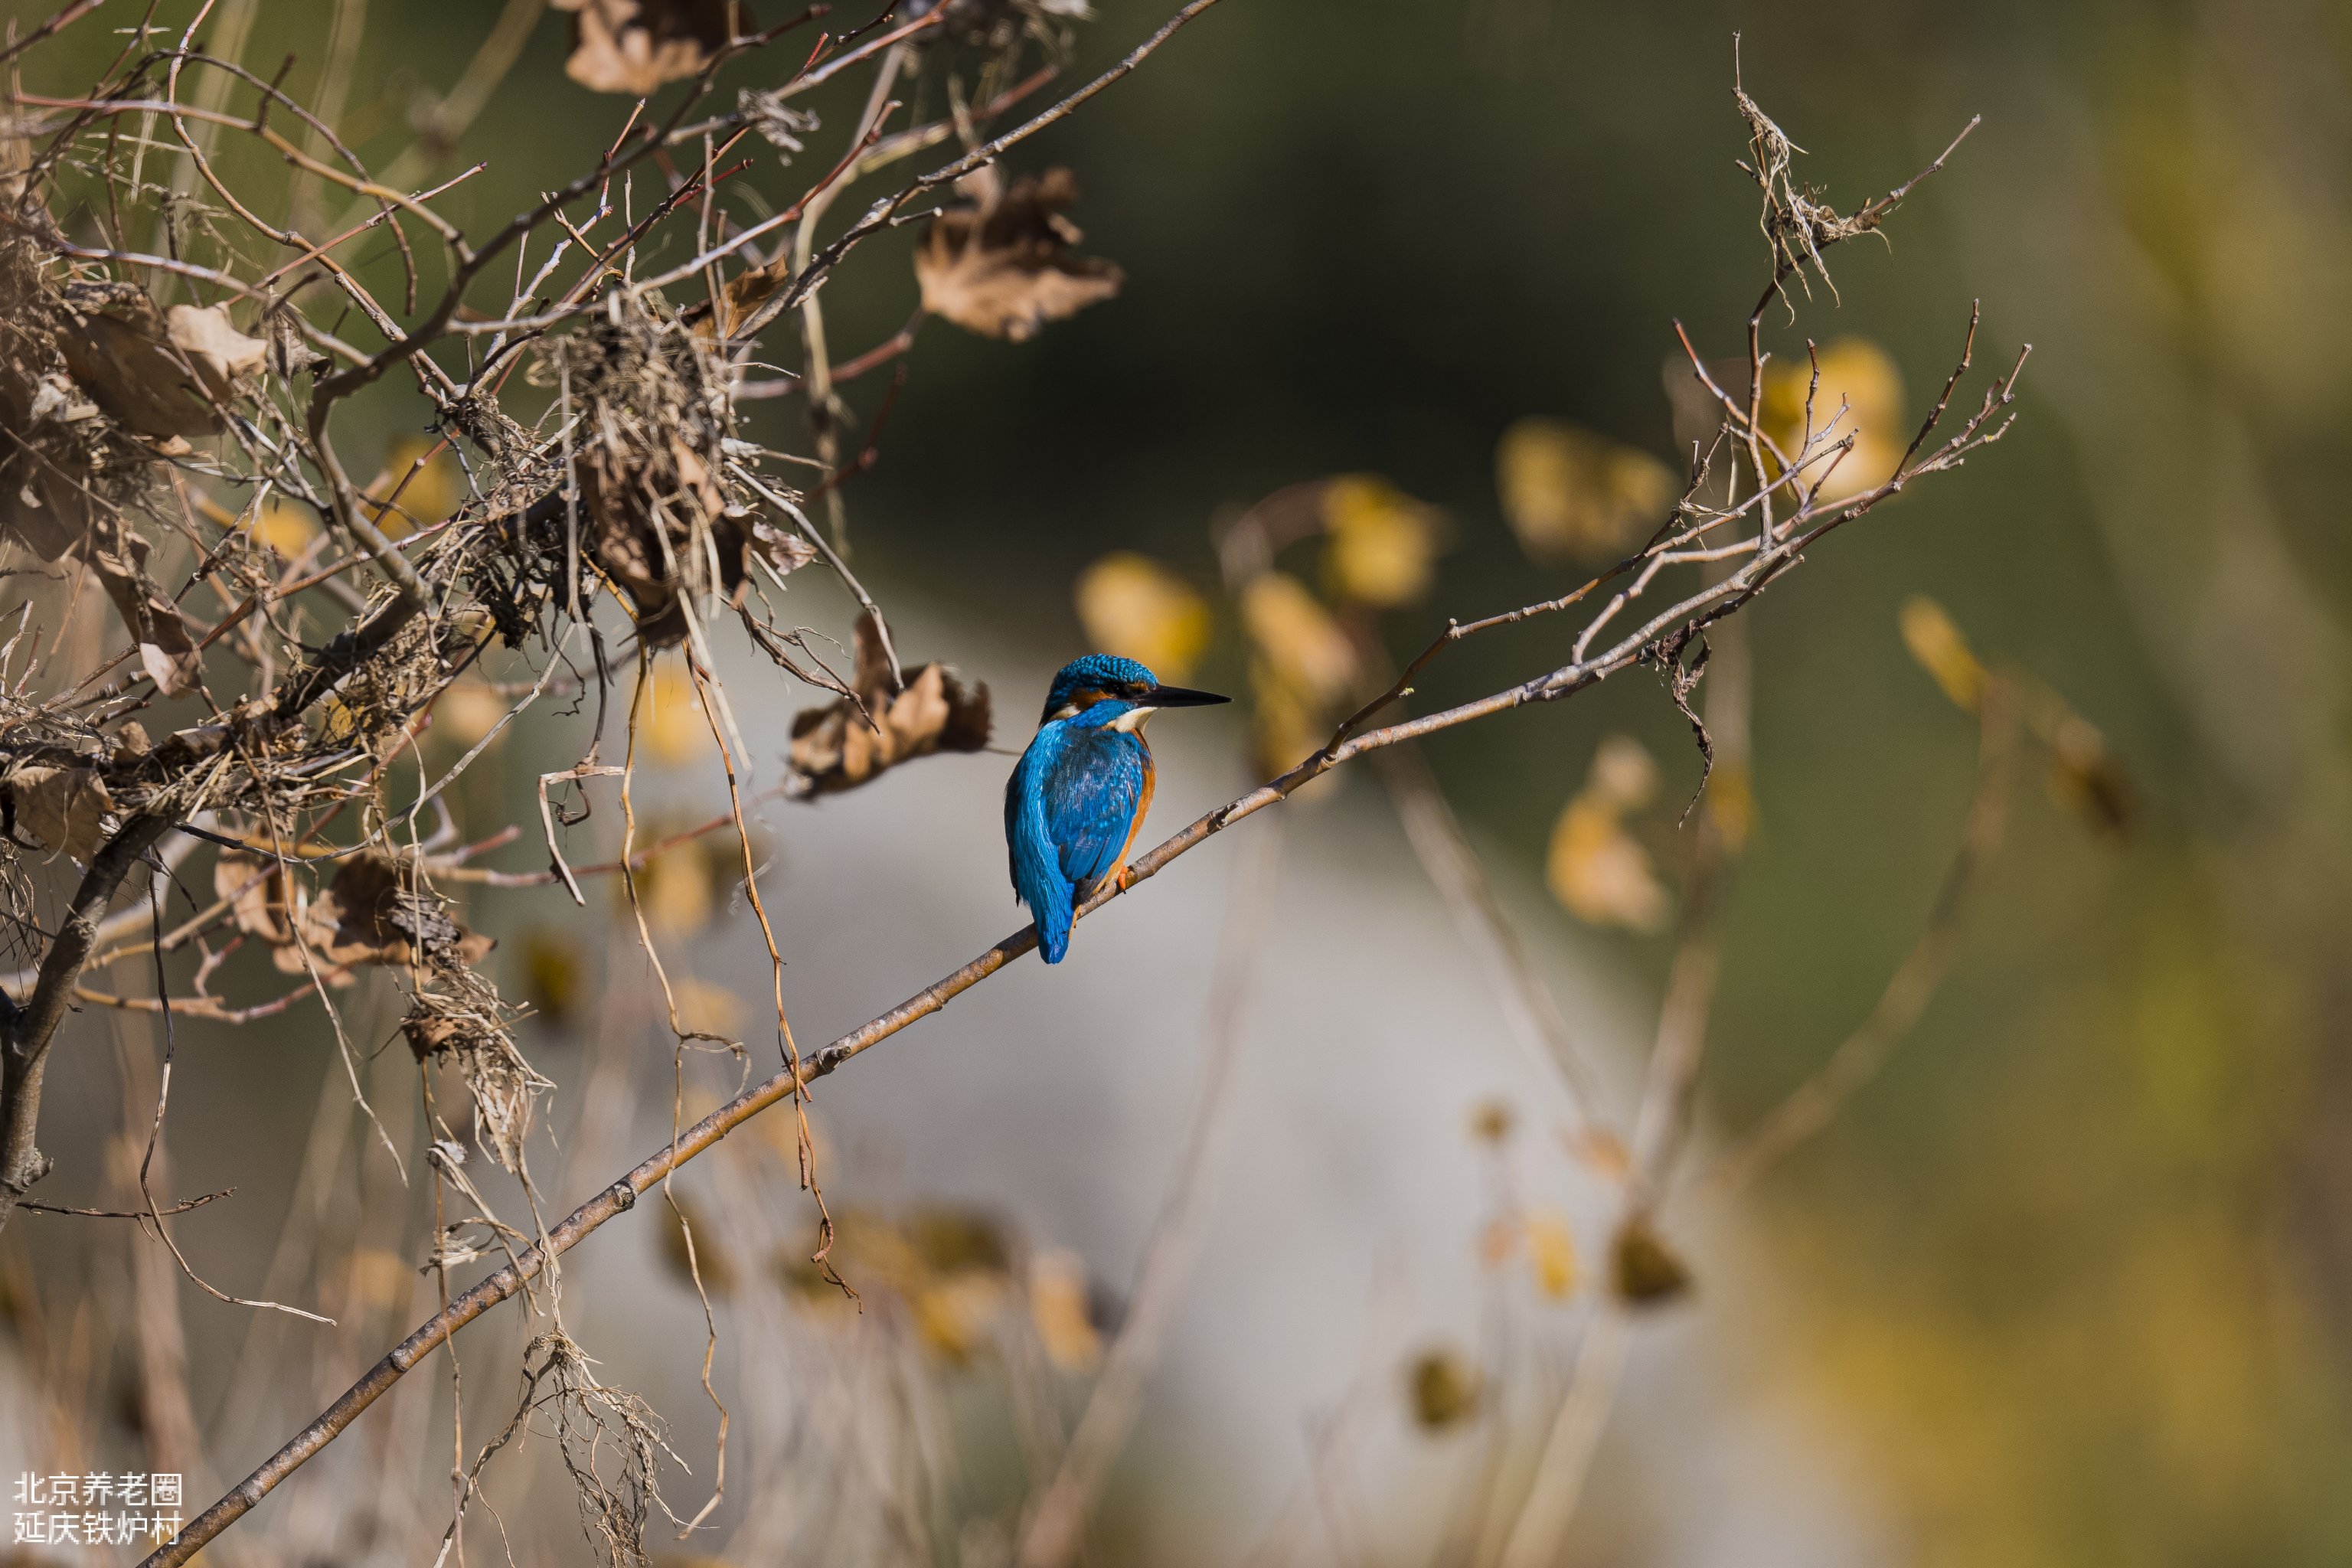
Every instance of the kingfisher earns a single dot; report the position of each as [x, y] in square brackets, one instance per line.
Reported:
[1076, 798]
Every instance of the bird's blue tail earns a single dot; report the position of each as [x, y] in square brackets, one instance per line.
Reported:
[1054, 929]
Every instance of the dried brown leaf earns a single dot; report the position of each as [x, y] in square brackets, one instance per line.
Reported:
[121, 352]
[215, 350]
[67, 809]
[846, 743]
[370, 914]
[636, 46]
[1003, 267]
[256, 890]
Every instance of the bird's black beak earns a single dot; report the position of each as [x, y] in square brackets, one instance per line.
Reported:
[1178, 697]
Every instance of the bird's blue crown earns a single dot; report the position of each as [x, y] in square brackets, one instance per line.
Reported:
[1094, 678]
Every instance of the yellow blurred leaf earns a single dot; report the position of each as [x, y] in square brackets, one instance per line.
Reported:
[401, 503]
[553, 975]
[1551, 1252]
[950, 1238]
[708, 1009]
[380, 1279]
[467, 711]
[1731, 803]
[1445, 1388]
[669, 720]
[337, 722]
[1132, 605]
[1942, 651]
[1297, 638]
[1285, 727]
[676, 888]
[1597, 870]
[285, 527]
[1595, 867]
[1858, 374]
[952, 1316]
[1382, 543]
[1623, 774]
[1057, 1306]
[1571, 493]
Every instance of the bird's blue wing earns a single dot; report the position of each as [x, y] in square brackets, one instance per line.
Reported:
[1036, 862]
[1093, 792]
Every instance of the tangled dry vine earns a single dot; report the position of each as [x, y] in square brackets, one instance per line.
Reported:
[176, 374]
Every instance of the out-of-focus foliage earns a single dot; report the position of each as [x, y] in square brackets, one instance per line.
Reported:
[1573, 494]
[1302, 668]
[669, 717]
[1552, 1254]
[1132, 605]
[1643, 1270]
[1861, 393]
[1060, 1309]
[636, 46]
[1383, 544]
[420, 486]
[1595, 867]
[1444, 1387]
[1943, 652]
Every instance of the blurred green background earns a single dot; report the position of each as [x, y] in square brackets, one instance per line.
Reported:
[2076, 1273]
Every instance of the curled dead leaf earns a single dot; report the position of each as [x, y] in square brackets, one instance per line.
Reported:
[67, 809]
[371, 913]
[121, 352]
[1001, 267]
[849, 741]
[215, 350]
[260, 895]
[636, 46]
